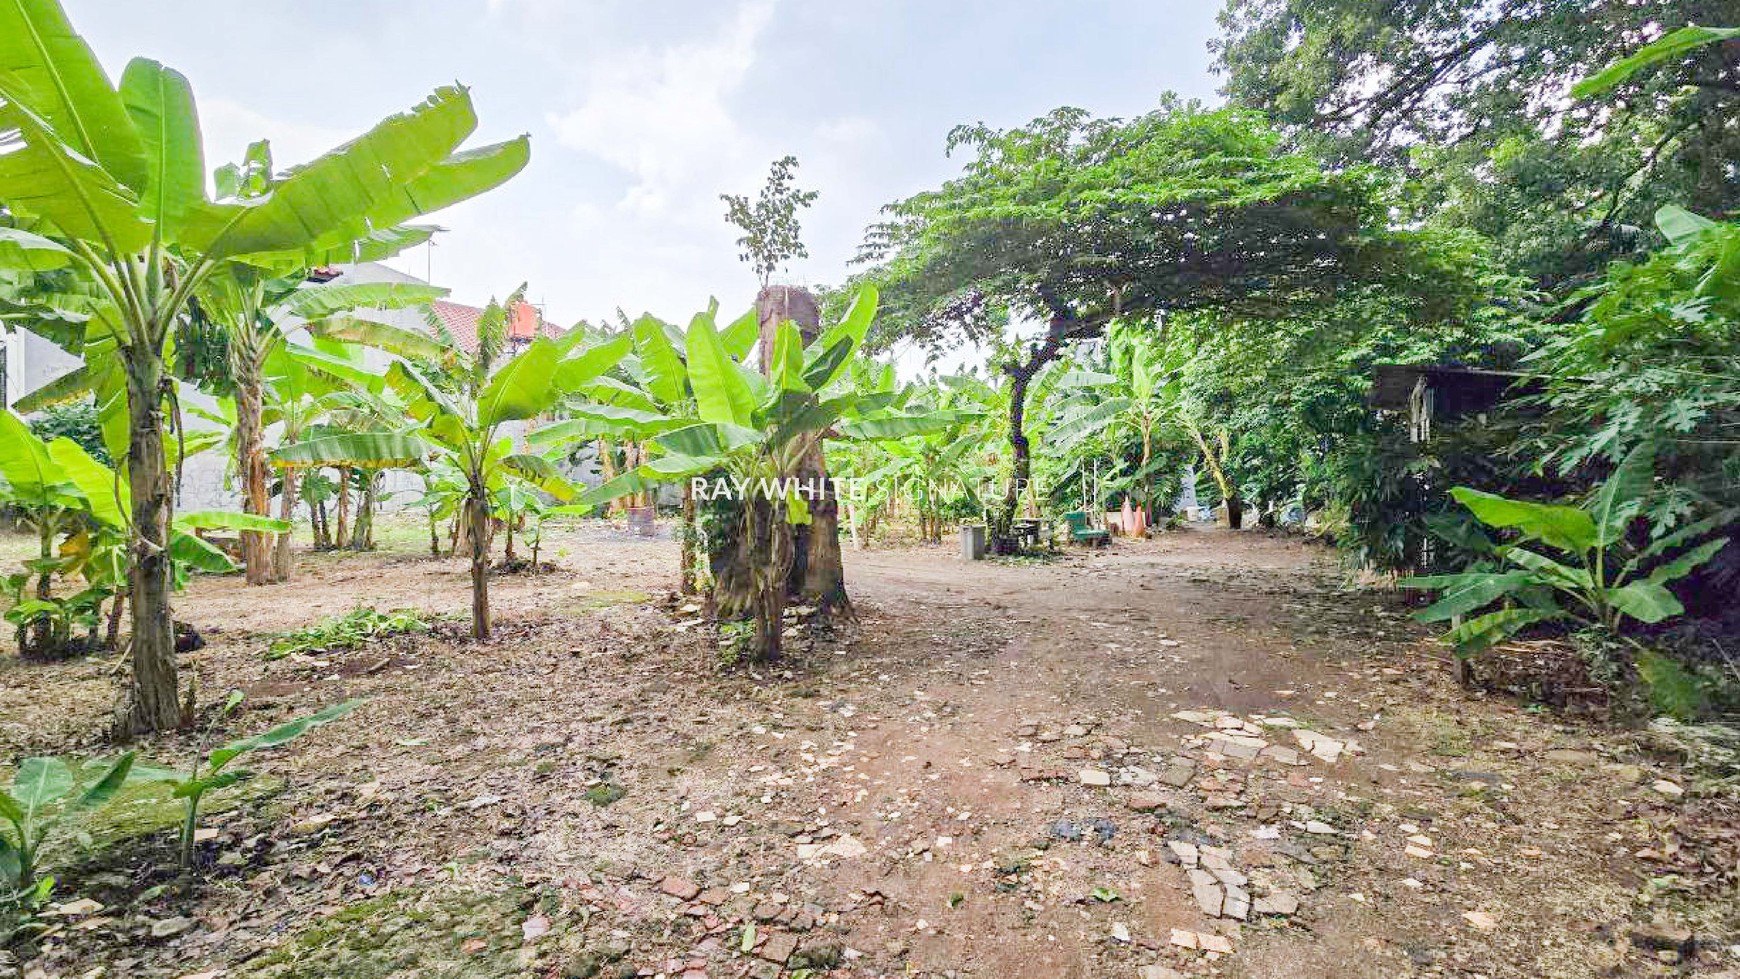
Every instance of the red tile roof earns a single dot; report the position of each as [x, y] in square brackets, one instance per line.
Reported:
[461, 321]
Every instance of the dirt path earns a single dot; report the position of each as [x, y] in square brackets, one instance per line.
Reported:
[1003, 770]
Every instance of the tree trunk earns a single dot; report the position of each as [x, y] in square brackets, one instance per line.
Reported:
[251, 468]
[730, 562]
[686, 579]
[1020, 462]
[766, 549]
[113, 639]
[817, 574]
[362, 535]
[342, 536]
[477, 504]
[40, 641]
[1234, 506]
[286, 513]
[434, 536]
[153, 705]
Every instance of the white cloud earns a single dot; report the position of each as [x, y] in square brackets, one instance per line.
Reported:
[661, 114]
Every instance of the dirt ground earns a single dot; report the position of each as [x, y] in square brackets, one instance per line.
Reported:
[1027, 769]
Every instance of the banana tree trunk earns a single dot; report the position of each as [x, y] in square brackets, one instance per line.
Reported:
[38, 642]
[686, 579]
[362, 536]
[152, 703]
[343, 533]
[767, 540]
[477, 505]
[286, 513]
[251, 466]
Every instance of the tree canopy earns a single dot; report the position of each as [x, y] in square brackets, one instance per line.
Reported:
[1473, 99]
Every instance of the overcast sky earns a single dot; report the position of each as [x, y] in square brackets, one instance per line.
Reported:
[643, 113]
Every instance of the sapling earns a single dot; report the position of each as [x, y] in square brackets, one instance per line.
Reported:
[209, 772]
[45, 791]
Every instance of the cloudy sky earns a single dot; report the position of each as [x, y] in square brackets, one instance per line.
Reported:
[643, 113]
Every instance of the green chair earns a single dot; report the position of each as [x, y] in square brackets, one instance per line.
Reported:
[1081, 533]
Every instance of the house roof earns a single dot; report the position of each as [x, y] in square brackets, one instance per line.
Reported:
[461, 321]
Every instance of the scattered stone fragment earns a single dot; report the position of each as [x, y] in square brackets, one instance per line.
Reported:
[1146, 802]
[1282, 754]
[1120, 932]
[1419, 852]
[1096, 777]
[1158, 972]
[1480, 920]
[1178, 774]
[1213, 943]
[1670, 789]
[1318, 828]
[1185, 852]
[1276, 902]
[170, 927]
[1236, 746]
[1568, 756]
[1140, 778]
[1320, 746]
[778, 948]
[1237, 903]
[1205, 718]
[1183, 938]
[677, 887]
[1229, 876]
[1663, 934]
[1207, 892]
[1215, 858]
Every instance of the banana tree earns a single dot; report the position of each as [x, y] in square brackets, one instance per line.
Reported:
[465, 427]
[255, 307]
[111, 184]
[753, 435]
[648, 392]
[73, 501]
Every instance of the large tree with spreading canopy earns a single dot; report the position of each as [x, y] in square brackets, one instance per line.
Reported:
[1075, 222]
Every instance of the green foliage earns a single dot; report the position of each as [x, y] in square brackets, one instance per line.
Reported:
[1674, 691]
[1647, 364]
[1596, 578]
[77, 421]
[458, 402]
[772, 234]
[210, 771]
[44, 792]
[754, 430]
[356, 628]
[1075, 221]
[71, 501]
[109, 183]
[1469, 96]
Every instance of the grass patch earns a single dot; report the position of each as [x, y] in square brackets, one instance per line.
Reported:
[593, 601]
